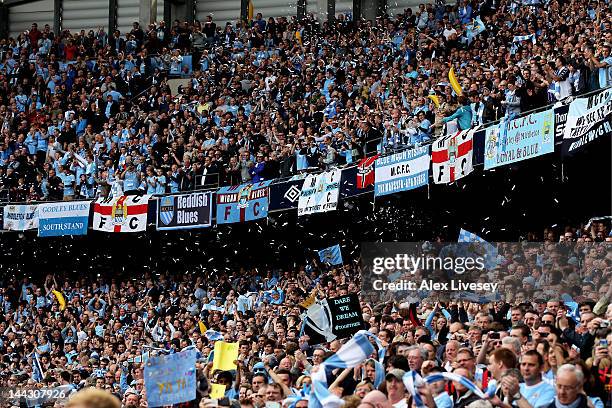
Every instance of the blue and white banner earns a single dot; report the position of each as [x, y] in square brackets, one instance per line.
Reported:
[402, 171]
[245, 202]
[520, 38]
[320, 192]
[184, 211]
[65, 218]
[519, 139]
[588, 119]
[171, 379]
[20, 217]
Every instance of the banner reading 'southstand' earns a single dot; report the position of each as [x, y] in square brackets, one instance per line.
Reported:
[121, 214]
[65, 218]
[588, 119]
[519, 139]
[184, 211]
[245, 202]
[402, 171]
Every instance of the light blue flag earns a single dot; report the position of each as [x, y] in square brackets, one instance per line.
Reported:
[520, 38]
[474, 28]
[37, 372]
[171, 379]
[331, 255]
[490, 250]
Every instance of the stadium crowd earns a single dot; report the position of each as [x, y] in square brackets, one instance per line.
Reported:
[539, 351]
[90, 113]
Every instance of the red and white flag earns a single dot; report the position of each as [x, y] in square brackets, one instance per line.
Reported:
[365, 172]
[451, 156]
[121, 214]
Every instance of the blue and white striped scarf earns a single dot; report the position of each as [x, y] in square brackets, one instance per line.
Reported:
[350, 354]
[412, 380]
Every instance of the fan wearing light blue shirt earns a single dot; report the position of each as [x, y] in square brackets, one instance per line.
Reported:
[534, 392]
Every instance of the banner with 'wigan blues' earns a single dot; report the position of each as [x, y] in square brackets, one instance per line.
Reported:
[184, 211]
[245, 202]
[65, 218]
[402, 171]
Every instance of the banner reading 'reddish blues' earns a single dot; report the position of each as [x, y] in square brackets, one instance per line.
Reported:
[66, 218]
[402, 171]
[519, 139]
[245, 202]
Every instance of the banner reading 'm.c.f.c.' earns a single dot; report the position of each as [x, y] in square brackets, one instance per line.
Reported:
[519, 139]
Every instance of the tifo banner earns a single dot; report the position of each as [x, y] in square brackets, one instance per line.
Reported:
[588, 119]
[121, 214]
[171, 379]
[451, 156]
[519, 139]
[184, 211]
[65, 218]
[20, 217]
[402, 171]
[320, 192]
[245, 202]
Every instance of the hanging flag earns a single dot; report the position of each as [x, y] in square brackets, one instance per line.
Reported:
[365, 172]
[245, 202]
[121, 214]
[320, 192]
[60, 299]
[202, 327]
[451, 156]
[452, 78]
[331, 255]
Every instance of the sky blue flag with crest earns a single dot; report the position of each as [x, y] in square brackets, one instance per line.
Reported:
[331, 255]
[474, 28]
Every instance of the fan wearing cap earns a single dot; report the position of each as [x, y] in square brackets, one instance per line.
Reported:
[396, 391]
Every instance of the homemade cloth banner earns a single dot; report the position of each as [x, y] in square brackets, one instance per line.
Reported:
[20, 217]
[402, 171]
[588, 119]
[171, 379]
[65, 218]
[320, 192]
